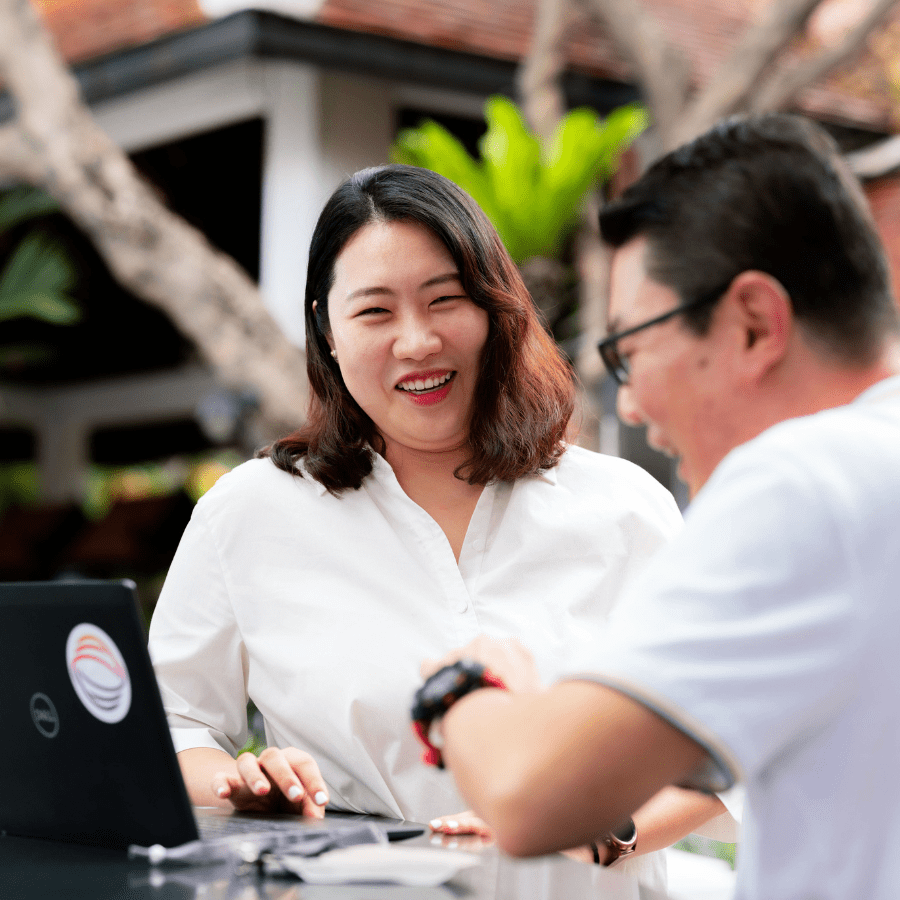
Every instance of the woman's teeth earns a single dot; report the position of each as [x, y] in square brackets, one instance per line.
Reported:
[427, 384]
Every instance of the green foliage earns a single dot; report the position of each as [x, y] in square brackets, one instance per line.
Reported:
[532, 194]
[18, 484]
[38, 277]
[695, 843]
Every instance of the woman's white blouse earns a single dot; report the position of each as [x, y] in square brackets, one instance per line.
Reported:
[321, 608]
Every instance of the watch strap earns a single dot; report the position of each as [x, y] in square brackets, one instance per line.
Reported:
[467, 676]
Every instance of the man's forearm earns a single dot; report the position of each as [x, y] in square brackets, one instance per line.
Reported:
[554, 770]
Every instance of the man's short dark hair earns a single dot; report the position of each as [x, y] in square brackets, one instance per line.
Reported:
[769, 193]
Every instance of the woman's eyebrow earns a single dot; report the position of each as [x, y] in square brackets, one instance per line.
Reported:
[368, 292]
[377, 291]
[442, 279]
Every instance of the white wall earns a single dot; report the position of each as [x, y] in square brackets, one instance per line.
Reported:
[301, 9]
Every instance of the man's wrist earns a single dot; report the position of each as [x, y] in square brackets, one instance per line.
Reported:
[439, 692]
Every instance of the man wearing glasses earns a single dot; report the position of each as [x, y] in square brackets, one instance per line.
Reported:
[755, 335]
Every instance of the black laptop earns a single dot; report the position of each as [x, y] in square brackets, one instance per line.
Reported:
[87, 753]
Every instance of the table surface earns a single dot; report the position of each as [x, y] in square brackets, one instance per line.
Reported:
[37, 870]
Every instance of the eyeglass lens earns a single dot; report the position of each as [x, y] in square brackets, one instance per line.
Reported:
[615, 364]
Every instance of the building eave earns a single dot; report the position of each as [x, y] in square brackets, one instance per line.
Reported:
[265, 35]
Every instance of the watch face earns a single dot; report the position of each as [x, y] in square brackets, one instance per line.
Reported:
[446, 681]
[626, 833]
[447, 685]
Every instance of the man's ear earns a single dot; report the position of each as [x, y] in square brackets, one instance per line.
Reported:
[315, 306]
[765, 319]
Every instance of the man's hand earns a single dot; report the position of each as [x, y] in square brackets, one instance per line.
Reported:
[507, 659]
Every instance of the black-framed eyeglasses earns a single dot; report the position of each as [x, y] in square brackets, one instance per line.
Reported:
[616, 364]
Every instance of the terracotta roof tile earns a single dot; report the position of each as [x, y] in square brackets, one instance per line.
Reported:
[705, 29]
[85, 29]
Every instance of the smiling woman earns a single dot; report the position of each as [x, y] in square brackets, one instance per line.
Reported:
[430, 497]
[396, 250]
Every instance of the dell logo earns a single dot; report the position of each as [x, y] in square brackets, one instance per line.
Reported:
[44, 715]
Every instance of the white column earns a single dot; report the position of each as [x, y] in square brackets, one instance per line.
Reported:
[293, 189]
[62, 458]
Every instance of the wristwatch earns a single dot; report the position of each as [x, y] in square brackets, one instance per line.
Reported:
[439, 692]
[621, 842]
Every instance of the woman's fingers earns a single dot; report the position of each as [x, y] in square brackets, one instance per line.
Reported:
[462, 823]
[279, 779]
[314, 794]
[295, 779]
[251, 772]
[232, 785]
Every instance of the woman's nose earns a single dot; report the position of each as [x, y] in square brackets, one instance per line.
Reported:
[416, 339]
[628, 410]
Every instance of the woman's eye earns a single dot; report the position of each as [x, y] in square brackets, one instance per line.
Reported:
[372, 311]
[449, 298]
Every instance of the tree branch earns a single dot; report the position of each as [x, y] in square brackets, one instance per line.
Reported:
[783, 86]
[150, 250]
[16, 163]
[660, 68]
[538, 76]
[877, 159]
[736, 79]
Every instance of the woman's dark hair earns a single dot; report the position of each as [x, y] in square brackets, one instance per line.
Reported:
[524, 393]
[769, 193]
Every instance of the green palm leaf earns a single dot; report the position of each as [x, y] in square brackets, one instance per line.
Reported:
[36, 283]
[22, 204]
[532, 196]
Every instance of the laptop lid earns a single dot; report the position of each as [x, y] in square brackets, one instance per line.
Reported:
[88, 754]
[87, 744]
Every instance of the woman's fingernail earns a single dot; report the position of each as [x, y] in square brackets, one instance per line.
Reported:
[261, 787]
[434, 824]
[452, 824]
[222, 791]
[295, 792]
[321, 798]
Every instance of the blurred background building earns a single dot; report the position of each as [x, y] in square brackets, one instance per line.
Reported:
[245, 117]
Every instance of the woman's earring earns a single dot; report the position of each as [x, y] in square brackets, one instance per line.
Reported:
[334, 355]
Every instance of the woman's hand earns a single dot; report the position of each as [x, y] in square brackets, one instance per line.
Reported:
[463, 823]
[507, 659]
[467, 823]
[280, 780]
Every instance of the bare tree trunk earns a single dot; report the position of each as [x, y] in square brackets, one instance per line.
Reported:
[56, 145]
[660, 68]
[544, 106]
[730, 89]
[779, 90]
[753, 78]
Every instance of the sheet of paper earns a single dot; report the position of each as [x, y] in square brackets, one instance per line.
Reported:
[419, 866]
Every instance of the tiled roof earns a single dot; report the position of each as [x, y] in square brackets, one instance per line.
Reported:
[85, 29]
[705, 29]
